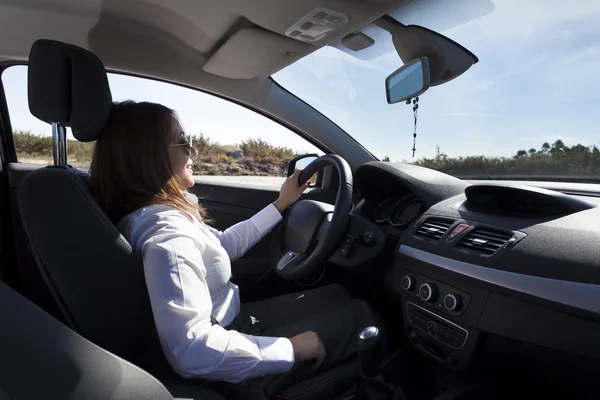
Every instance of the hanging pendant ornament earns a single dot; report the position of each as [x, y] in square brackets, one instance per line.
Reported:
[416, 115]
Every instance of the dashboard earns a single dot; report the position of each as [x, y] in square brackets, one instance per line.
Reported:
[470, 260]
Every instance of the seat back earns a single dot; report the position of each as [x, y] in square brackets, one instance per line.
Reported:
[43, 359]
[88, 265]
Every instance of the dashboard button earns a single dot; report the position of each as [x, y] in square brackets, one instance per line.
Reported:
[428, 292]
[444, 335]
[455, 340]
[408, 282]
[369, 239]
[451, 360]
[432, 328]
[452, 302]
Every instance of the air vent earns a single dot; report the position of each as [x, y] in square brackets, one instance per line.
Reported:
[484, 241]
[433, 228]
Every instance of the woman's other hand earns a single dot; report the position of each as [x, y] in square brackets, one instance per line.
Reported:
[290, 192]
[308, 346]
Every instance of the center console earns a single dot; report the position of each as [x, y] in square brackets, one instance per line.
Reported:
[440, 312]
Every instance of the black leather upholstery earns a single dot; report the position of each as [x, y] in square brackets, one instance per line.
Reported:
[90, 268]
[42, 359]
[68, 84]
[28, 280]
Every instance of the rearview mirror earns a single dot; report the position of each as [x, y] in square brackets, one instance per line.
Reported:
[407, 82]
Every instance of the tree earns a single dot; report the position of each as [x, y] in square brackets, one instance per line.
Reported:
[558, 145]
[580, 148]
[545, 148]
[521, 153]
[385, 159]
[532, 151]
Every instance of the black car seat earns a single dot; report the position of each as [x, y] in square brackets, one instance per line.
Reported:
[88, 265]
[40, 358]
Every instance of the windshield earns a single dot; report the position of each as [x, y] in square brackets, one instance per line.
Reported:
[530, 107]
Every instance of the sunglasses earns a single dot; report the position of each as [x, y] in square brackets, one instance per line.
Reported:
[186, 140]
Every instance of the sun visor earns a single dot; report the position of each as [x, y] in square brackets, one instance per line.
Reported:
[255, 53]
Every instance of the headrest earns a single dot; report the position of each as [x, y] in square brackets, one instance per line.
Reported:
[68, 84]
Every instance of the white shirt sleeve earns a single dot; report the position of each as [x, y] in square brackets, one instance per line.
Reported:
[181, 304]
[242, 236]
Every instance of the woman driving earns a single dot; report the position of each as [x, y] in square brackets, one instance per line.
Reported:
[140, 173]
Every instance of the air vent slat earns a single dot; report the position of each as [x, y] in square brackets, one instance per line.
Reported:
[470, 246]
[484, 241]
[491, 236]
[433, 228]
[486, 245]
[438, 226]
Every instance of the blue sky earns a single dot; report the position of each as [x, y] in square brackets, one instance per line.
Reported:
[535, 82]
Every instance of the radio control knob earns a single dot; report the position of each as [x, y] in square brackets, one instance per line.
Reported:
[432, 328]
[408, 282]
[452, 302]
[428, 292]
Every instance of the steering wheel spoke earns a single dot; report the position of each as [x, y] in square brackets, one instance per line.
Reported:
[323, 228]
[289, 258]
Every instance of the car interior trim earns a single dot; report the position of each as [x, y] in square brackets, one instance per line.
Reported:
[443, 319]
[579, 295]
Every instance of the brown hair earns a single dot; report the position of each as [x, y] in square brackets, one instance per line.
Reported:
[130, 166]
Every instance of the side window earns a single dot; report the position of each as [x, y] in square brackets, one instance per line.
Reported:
[231, 140]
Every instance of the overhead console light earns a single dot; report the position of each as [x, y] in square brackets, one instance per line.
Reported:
[317, 24]
[357, 41]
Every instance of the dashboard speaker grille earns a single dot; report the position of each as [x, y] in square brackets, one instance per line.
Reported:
[433, 228]
[484, 240]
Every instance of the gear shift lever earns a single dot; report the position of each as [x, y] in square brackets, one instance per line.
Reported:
[371, 386]
[369, 341]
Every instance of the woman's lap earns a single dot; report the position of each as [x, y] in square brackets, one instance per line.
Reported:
[281, 310]
[329, 311]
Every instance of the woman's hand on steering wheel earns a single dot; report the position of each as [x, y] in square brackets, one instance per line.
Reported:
[290, 192]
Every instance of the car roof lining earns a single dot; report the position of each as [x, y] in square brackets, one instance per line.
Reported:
[124, 34]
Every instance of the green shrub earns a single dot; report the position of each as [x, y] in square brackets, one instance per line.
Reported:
[32, 145]
[206, 147]
[550, 161]
[262, 151]
[224, 158]
[82, 152]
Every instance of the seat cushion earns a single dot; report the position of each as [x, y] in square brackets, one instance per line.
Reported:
[327, 385]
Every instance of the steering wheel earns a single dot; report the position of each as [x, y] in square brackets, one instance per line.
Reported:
[313, 229]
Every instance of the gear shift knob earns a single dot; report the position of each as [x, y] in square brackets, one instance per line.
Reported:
[368, 351]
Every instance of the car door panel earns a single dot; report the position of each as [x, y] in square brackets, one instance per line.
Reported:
[227, 205]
